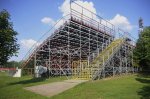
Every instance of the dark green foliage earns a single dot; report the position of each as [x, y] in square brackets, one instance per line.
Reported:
[8, 40]
[142, 50]
[13, 64]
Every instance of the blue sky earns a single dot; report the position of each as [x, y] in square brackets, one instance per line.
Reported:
[32, 18]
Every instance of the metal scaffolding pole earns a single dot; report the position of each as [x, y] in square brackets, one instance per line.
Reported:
[86, 46]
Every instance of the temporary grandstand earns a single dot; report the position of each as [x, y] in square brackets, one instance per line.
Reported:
[82, 47]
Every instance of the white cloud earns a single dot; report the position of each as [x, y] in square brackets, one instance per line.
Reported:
[48, 20]
[88, 10]
[118, 20]
[28, 43]
[65, 7]
[121, 22]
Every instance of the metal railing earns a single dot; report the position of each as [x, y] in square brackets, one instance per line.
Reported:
[48, 35]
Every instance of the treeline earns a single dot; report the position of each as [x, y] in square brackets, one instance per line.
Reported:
[142, 50]
[12, 64]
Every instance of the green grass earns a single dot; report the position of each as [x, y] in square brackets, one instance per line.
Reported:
[12, 88]
[125, 87]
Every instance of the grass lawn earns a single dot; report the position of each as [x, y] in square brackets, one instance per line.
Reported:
[12, 88]
[125, 87]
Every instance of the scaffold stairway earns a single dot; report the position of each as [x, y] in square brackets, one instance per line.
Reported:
[95, 67]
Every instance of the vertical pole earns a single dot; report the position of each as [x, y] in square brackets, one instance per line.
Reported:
[103, 67]
[113, 61]
[126, 58]
[68, 47]
[103, 42]
[81, 67]
[49, 60]
[120, 59]
[89, 47]
[60, 64]
[97, 45]
[98, 53]
[80, 50]
[35, 65]
[88, 61]
[132, 60]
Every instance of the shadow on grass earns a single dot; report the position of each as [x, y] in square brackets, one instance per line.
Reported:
[143, 75]
[33, 80]
[145, 90]
[142, 80]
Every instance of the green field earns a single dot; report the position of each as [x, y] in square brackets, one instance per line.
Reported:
[12, 88]
[125, 87]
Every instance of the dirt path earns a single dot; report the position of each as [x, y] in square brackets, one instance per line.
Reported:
[54, 88]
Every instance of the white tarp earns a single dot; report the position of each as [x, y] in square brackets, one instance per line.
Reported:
[39, 70]
[15, 73]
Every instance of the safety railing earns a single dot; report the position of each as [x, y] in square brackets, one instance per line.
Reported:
[45, 37]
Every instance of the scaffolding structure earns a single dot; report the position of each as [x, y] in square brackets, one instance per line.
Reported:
[83, 47]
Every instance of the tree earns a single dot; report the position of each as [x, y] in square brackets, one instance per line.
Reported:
[13, 64]
[8, 40]
[142, 50]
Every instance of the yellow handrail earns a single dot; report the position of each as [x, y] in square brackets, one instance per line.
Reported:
[88, 72]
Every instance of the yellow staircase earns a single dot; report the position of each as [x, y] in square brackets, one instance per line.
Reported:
[89, 72]
[77, 68]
